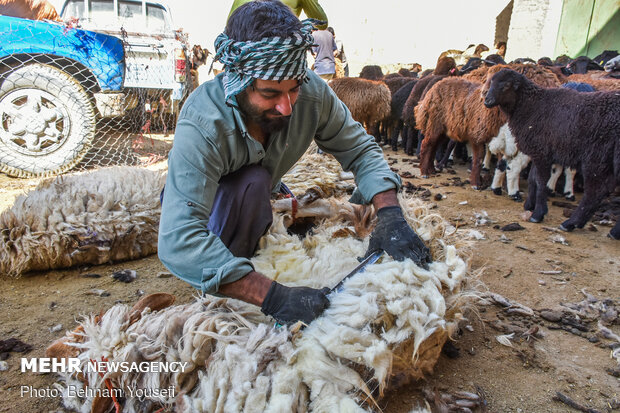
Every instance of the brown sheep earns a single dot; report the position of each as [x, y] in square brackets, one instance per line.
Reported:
[29, 9]
[541, 75]
[371, 72]
[444, 67]
[453, 109]
[368, 100]
[599, 83]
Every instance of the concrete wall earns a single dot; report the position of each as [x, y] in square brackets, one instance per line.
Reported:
[533, 28]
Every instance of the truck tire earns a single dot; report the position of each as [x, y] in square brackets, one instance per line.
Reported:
[47, 122]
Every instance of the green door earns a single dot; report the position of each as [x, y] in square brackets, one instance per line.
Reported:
[588, 27]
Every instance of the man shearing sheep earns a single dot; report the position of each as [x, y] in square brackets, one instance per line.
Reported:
[237, 135]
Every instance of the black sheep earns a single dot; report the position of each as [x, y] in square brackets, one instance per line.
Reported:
[398, 103]
[371, 72]
[558, 125]
[582, 64]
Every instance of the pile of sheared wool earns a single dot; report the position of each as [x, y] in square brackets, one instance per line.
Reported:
[111, 214]
[390, 320]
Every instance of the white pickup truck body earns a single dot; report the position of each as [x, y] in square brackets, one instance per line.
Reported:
[155, 53]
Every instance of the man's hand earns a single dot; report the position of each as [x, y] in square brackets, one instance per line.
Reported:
[291, 304]
[394, 236]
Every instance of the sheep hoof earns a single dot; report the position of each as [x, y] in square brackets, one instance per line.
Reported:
[613, 236]
[535, 219]
[551, 194]
[516, 197]
[566, 226]
[570, 197]
[497, 191]
[425, 176]
[485, 169]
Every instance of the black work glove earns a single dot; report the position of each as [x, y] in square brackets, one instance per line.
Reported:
[394, 236]
[291, 304]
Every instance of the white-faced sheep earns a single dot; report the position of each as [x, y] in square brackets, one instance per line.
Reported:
[367, 100]
[578, 130]
[513, 161]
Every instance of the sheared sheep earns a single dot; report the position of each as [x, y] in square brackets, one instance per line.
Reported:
[112, 214]
[390, 320]
[97, 217]
[367, 100]
[578, 130]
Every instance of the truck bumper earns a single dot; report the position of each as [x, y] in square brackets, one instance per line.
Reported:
[114, 104]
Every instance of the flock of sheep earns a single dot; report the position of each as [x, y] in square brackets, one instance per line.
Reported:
[561, 116]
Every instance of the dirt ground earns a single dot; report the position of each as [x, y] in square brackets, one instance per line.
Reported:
[536, 267]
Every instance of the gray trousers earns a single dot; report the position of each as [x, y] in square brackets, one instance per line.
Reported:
[241, 211]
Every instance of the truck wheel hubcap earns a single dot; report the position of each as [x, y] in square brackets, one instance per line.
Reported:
[33, 122]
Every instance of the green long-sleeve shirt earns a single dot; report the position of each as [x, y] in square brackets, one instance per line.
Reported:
[211, 140]
[311, 9]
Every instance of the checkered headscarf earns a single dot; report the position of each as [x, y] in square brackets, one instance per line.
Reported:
[271, 58]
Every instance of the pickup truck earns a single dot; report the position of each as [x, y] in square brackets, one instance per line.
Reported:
[63, 83]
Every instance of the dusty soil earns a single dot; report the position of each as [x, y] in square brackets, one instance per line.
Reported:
[529, 268]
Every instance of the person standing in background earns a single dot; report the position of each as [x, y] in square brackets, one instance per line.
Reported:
[323, 51]
[311, 8]
[339, 53]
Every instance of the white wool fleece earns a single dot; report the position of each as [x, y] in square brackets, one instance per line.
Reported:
[239, 362]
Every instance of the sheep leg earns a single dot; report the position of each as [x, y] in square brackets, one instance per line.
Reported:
[594, 192]
[373, 130]
[486, 163]
[615, 231]
[498, 177]
[427, 154]
[476, 165]
[446, 155]
[530, 202]
[419, 144]
[543, 170]
[405, 139]
[556, 171]
[395, 133]
[569, 182]
[515, 166]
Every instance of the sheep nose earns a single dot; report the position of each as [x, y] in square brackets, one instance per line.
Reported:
[489, 102]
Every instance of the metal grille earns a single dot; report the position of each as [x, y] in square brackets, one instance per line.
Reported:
[76, 99]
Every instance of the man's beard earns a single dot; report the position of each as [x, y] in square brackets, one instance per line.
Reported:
[261, 118]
